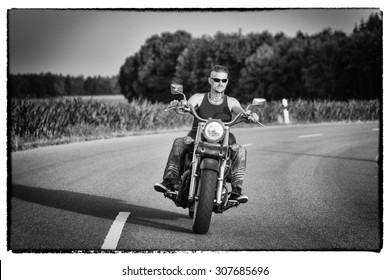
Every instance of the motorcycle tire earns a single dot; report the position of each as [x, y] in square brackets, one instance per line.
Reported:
[204, 203]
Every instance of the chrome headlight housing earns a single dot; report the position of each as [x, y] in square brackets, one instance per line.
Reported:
[213, 131]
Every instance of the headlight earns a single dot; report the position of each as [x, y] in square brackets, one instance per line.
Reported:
[213, 131]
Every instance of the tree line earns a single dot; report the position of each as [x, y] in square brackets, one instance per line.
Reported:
[45, 85]
[329, 65]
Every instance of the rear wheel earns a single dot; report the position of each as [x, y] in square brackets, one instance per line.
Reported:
[204, 202]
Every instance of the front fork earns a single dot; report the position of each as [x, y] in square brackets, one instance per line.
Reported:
[195, 166]
[223, 168]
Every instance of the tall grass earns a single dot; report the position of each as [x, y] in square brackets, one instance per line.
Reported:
[304, 111]
[35, 123]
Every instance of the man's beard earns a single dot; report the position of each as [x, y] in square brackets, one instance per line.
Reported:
[219, 91]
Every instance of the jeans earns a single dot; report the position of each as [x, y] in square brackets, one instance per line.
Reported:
[173, 169]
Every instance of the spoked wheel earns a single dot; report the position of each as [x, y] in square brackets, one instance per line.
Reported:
[204, 201]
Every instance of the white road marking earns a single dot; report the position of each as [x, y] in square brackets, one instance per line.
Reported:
[310, 135]
[246, 145]
[115, 231]
[375, 129]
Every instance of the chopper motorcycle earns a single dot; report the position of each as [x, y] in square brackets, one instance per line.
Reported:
[203, 186]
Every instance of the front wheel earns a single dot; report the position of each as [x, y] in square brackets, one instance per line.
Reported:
[204, 202]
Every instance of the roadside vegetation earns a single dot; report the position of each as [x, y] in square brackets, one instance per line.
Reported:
[35, 123]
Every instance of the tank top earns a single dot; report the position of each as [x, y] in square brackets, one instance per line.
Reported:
[207, 110]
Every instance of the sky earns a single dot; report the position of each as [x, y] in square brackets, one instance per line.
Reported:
[97, 42]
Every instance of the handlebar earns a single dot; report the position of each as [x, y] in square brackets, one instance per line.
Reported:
[190, 109]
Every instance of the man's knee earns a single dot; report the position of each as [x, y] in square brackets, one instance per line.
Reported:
[179, 142]
[242, 151]
[238, 151]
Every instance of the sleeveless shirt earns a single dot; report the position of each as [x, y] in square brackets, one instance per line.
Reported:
[207, 110]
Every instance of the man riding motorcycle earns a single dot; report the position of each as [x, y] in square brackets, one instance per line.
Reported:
[214, 104]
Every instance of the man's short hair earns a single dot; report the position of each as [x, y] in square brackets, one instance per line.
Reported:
[219, 68]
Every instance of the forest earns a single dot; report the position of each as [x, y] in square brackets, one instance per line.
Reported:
[328, 66]
[45, 85]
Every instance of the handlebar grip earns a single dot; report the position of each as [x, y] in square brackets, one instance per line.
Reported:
[179, 107]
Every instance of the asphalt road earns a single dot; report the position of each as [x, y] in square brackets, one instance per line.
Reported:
[312, 187]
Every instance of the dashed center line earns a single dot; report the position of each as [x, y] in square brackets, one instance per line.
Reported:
[310, 135]
[115, 231]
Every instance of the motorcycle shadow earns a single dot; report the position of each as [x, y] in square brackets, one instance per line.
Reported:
[97, 206]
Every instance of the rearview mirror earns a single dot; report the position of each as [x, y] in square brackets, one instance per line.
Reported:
[177, 89]
[259, 102]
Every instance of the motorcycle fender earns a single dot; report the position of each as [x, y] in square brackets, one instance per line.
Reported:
[210, 163]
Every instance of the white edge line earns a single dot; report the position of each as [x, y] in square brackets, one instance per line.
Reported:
[113, 235]
[247, 145]
[310, 135]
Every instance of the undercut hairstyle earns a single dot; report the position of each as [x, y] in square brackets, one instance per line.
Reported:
[219, 68]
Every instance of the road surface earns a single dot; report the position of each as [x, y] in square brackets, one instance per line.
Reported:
[310, 187]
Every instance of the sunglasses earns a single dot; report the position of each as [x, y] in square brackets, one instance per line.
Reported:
[219, 80]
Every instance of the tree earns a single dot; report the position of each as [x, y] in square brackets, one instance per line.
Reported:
[150, 72]
[322, 70]
[254, 78]
[364, 60]
[193, 65]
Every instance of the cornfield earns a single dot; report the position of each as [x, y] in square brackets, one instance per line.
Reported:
[317, 111]
[66, 120]
[35, 123]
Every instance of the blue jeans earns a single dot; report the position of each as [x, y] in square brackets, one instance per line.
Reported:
[174, 167]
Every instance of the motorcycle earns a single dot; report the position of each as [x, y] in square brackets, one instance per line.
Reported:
[203, 186]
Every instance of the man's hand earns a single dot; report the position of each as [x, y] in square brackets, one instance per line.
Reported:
[177, 105]
[252, 116]
[174, 103]
[183, 103]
